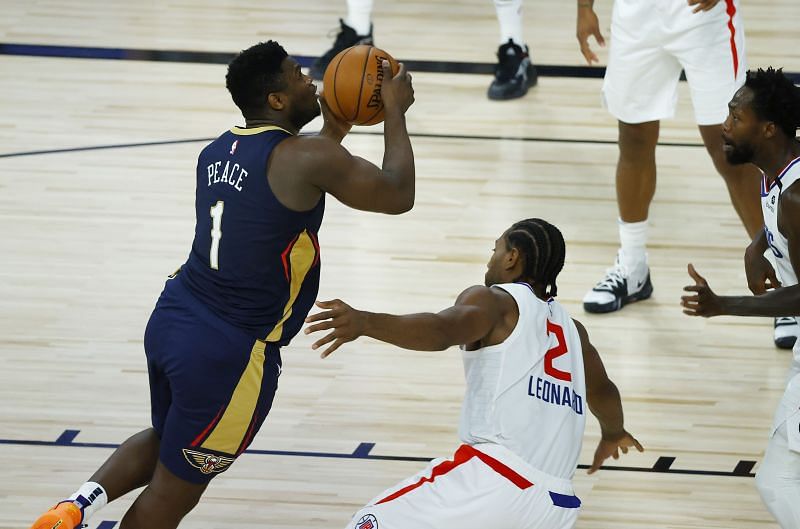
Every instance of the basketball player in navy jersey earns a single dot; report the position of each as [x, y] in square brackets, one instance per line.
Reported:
[531, 375]
[761, 129]
[213, 341]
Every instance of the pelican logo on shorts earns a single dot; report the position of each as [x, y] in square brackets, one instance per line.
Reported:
[207, 463]
[368, 521]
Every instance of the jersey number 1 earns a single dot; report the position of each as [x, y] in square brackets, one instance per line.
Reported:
[216, 233]
[555, 352]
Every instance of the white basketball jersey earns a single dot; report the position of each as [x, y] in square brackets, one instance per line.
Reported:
[528, 393]
[770, 201]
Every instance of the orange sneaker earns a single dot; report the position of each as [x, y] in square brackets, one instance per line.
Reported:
[65, 515]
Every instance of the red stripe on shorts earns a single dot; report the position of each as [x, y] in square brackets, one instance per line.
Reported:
[731, 10]
[462, 455]
[202, 435]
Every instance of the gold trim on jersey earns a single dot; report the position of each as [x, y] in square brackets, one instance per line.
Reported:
[301, 259]
[241, 131]
[231, 429]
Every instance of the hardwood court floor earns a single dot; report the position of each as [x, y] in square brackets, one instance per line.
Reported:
[89, 236]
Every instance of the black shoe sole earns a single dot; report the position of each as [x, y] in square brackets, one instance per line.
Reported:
[617, 304]
[507, 97]
[533, 78]
[786, 342]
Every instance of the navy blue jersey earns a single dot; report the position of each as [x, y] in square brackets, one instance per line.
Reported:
[254, 262]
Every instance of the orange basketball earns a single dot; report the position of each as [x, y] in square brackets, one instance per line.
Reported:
[352, 84]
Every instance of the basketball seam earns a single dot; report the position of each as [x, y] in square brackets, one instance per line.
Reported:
[361, 87]
[335, 74]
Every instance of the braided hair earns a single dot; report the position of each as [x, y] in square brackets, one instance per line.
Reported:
[542, 248]
[775, 98]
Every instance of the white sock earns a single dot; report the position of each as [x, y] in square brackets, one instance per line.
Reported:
[91, 497]
[633, 241]
[509, 15]
[359, 16]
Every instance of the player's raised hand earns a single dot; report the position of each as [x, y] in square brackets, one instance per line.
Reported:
[332, 126]
[703, 302]
[611, 447]
[760, 274]
[397, 92]
[588, 25]
[345, 322]
[702, 5]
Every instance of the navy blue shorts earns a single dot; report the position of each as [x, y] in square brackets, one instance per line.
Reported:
[211, 385]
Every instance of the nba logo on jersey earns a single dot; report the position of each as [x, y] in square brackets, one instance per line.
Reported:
[234, 145]
[367, 521]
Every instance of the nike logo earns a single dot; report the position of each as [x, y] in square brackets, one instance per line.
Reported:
[640, 283]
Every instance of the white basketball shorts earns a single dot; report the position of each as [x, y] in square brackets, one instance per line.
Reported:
[788, 411]
[482, 486]
[653, 40]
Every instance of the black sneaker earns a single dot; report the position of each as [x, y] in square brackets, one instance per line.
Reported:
[786, 330]
[344, 39]
[514, 73]
[619, 287]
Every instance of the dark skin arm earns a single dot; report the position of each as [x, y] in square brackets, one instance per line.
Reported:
[778, 302]
[702, 5]
[480, 315]
[604, 402]
[588, 25]
[760, 274]
[704, 302]
[301, 168]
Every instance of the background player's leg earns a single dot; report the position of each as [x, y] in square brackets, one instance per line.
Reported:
[778, 480]
[130, 466]
[514, 73]
[356, 28]
[743, 181]
[359, 16]
[629, 279]
[164, 503]
[509, 17]
[636, 169]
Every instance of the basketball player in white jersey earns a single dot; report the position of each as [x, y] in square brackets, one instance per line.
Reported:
[651, 42]
[761, 129]
[531, 376]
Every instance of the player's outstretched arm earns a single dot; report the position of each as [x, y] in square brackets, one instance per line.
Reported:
[604, 402]
[702, 301]
[472, 318]
[784, 301]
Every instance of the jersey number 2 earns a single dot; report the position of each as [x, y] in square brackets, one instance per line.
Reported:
[555, 352]
[216, 233]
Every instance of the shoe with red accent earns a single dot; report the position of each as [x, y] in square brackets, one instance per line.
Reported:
[65, 515]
